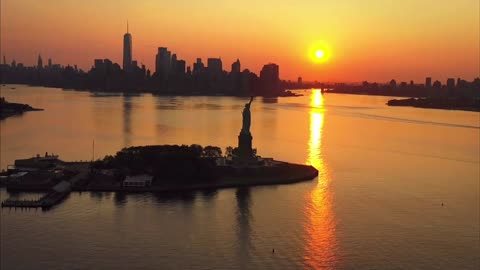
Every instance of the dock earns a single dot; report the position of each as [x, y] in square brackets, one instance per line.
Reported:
[55, 196]
[46, 201]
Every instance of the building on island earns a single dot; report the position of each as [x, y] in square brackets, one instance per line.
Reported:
[142, 180]
[37, 162]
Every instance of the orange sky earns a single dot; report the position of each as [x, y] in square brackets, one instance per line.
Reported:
[373, 40]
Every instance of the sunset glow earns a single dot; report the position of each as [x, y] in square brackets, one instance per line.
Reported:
[226, 134]
[360, 40]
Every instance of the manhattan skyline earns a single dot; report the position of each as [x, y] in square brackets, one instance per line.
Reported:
[376, 42]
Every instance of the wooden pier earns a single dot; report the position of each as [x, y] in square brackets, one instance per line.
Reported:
[44, 202]
[55, 196]
[22, 203]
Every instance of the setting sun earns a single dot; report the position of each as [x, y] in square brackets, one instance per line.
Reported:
[319, 54]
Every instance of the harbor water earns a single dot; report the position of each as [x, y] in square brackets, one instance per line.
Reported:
[398, 188]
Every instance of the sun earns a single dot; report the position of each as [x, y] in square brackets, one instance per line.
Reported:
[319, 54]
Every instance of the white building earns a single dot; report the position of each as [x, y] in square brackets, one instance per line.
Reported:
[142, 180]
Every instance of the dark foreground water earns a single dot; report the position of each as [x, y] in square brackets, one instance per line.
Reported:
[377, 204]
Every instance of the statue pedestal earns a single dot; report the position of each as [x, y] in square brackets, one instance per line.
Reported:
[245, 145]
[244, 153]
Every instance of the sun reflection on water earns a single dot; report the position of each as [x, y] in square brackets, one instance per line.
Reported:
[319, 236]
[316, 127]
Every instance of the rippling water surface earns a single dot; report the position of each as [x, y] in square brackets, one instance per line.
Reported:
[384, 173]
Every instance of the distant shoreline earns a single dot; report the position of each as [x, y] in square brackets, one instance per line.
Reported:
[438, 103]
[8, 109]
[287, 93]
[154, 91]
[468, 104]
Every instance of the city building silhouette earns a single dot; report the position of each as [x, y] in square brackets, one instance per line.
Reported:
[214, 66]
[236, 66]
[162, 62]
[393, 84]
[39, 62]
[198, 66]
[172, 76]
[428, 82]
[269, 79]
[127, 50]
[450, 83]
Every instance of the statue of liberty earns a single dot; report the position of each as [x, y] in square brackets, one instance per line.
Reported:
[246, 118]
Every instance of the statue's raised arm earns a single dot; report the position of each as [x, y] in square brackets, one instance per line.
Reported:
[251, 99]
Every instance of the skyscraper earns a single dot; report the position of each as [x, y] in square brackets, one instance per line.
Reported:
[393, 84]
[428, 82]
[180, 67]
[198, 66]
[214, 65]
[173, 63]
[163, 62]
[98, 64]
[270, 72]
[269, 79]
[450, 83]
[39, 62]
[236, 66]
[127, 50]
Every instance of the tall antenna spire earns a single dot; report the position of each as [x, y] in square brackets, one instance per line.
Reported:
[127, 26]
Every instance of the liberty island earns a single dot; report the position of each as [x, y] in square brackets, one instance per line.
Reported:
[154, 168]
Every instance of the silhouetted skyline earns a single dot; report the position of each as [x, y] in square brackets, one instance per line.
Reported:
[172, 76]
[369, 40]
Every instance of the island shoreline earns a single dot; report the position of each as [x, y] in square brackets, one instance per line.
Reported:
[308, 173]
[436, 103]
[8, 109]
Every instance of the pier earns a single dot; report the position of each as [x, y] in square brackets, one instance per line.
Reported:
[45, 202]
[55, 196]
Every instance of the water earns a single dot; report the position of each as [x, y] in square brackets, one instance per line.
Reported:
[384, 173]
